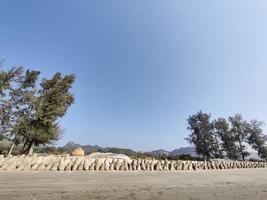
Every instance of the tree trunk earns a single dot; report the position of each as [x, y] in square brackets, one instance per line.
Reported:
[25, 143]
[12, 145]
[241, 149]
[27, 151]
[243, 157]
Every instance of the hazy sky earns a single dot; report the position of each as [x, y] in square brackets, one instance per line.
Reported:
[143, 66]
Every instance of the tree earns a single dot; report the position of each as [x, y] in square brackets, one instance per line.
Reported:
[222, 137]
[8, 80]
[257, 139]
[239, 132]
[22, 97]
[30, 113]
[40, 126]
[201, 134]
[222, 131]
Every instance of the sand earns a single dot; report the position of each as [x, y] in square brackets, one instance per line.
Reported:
[190, 185]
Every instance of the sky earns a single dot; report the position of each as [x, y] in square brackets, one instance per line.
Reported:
[143, 67]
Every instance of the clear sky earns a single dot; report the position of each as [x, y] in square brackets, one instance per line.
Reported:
[143, 66]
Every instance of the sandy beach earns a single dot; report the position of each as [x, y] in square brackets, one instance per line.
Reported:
[183, 185]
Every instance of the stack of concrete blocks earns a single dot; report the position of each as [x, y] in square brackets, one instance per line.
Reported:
[88, 163]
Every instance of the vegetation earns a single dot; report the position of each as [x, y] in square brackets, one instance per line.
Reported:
[202, 134]
[29, 110]
[223, 138]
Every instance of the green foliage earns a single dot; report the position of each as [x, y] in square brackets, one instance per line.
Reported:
[201, 135]
[257, 139]
[240, 133]
[30, 111]
[8, 82]
[222, 138]
[228, 145]
[50, 150]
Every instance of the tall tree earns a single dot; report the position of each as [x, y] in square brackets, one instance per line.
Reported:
[40, 126]
[8, 81]
[201, 135]
[257, 139]
[222, 130]
[31, 113]
[22, 100]
[239, 132]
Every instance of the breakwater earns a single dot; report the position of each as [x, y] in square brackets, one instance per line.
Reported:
[87, 163]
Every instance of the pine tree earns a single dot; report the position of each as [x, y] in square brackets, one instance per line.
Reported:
[54, 99]
[9, 80]
[257, 139]
[201, 134]
[239, 132]
[30, 113]
[22, 98]
[222, 129]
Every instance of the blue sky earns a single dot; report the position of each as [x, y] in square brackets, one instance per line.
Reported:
[143, 67]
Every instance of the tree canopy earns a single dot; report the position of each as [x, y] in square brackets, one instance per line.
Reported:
[30, 109]
[222, 138]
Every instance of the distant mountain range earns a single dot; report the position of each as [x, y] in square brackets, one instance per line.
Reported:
[95, 148]
[160, 152]
[175, 152]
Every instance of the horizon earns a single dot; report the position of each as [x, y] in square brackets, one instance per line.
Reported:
[136, 150]
[143, 68]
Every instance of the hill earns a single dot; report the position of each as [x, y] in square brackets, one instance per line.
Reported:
[161, 152]
[95, 148]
